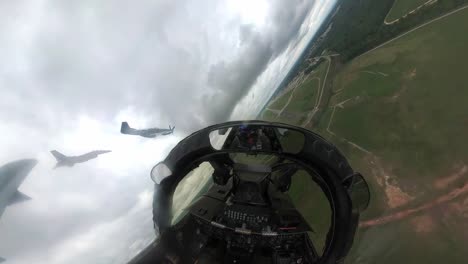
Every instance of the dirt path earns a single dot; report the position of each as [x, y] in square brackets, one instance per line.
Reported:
[317, 103]
[274, 111]
[341, 105]
[292, 85]
[324, 56]
[444, 182]
[376, 73]
[292, 95]
[289, 100]
[410, 212]
[286, 114]
[329, 121]
[296, 82]
[430, 2]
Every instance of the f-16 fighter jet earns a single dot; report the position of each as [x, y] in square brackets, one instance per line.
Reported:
[69, 161]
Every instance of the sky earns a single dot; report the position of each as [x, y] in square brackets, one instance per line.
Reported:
[71, 71]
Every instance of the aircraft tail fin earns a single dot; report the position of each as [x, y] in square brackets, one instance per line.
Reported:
[171, 128]
[58, 156]
[125, 128]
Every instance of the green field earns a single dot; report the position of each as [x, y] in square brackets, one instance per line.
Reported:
[415, 121]
[403, 7]
[419, 110]
[304, 98]
[305, 95]
[281, 101]
[407, 104]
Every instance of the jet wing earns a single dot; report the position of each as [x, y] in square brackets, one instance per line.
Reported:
[18, 197]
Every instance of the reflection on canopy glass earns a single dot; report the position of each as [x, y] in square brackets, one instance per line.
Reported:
[257, 138]
[190, 188]
[160, 172]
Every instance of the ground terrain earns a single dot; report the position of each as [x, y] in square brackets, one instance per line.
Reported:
[400, 115]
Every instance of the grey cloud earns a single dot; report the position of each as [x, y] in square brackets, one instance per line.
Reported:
[233, 79]
[92, 58]
[98, 58]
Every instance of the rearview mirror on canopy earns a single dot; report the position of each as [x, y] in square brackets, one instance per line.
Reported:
[160, 172]
[358, 190]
